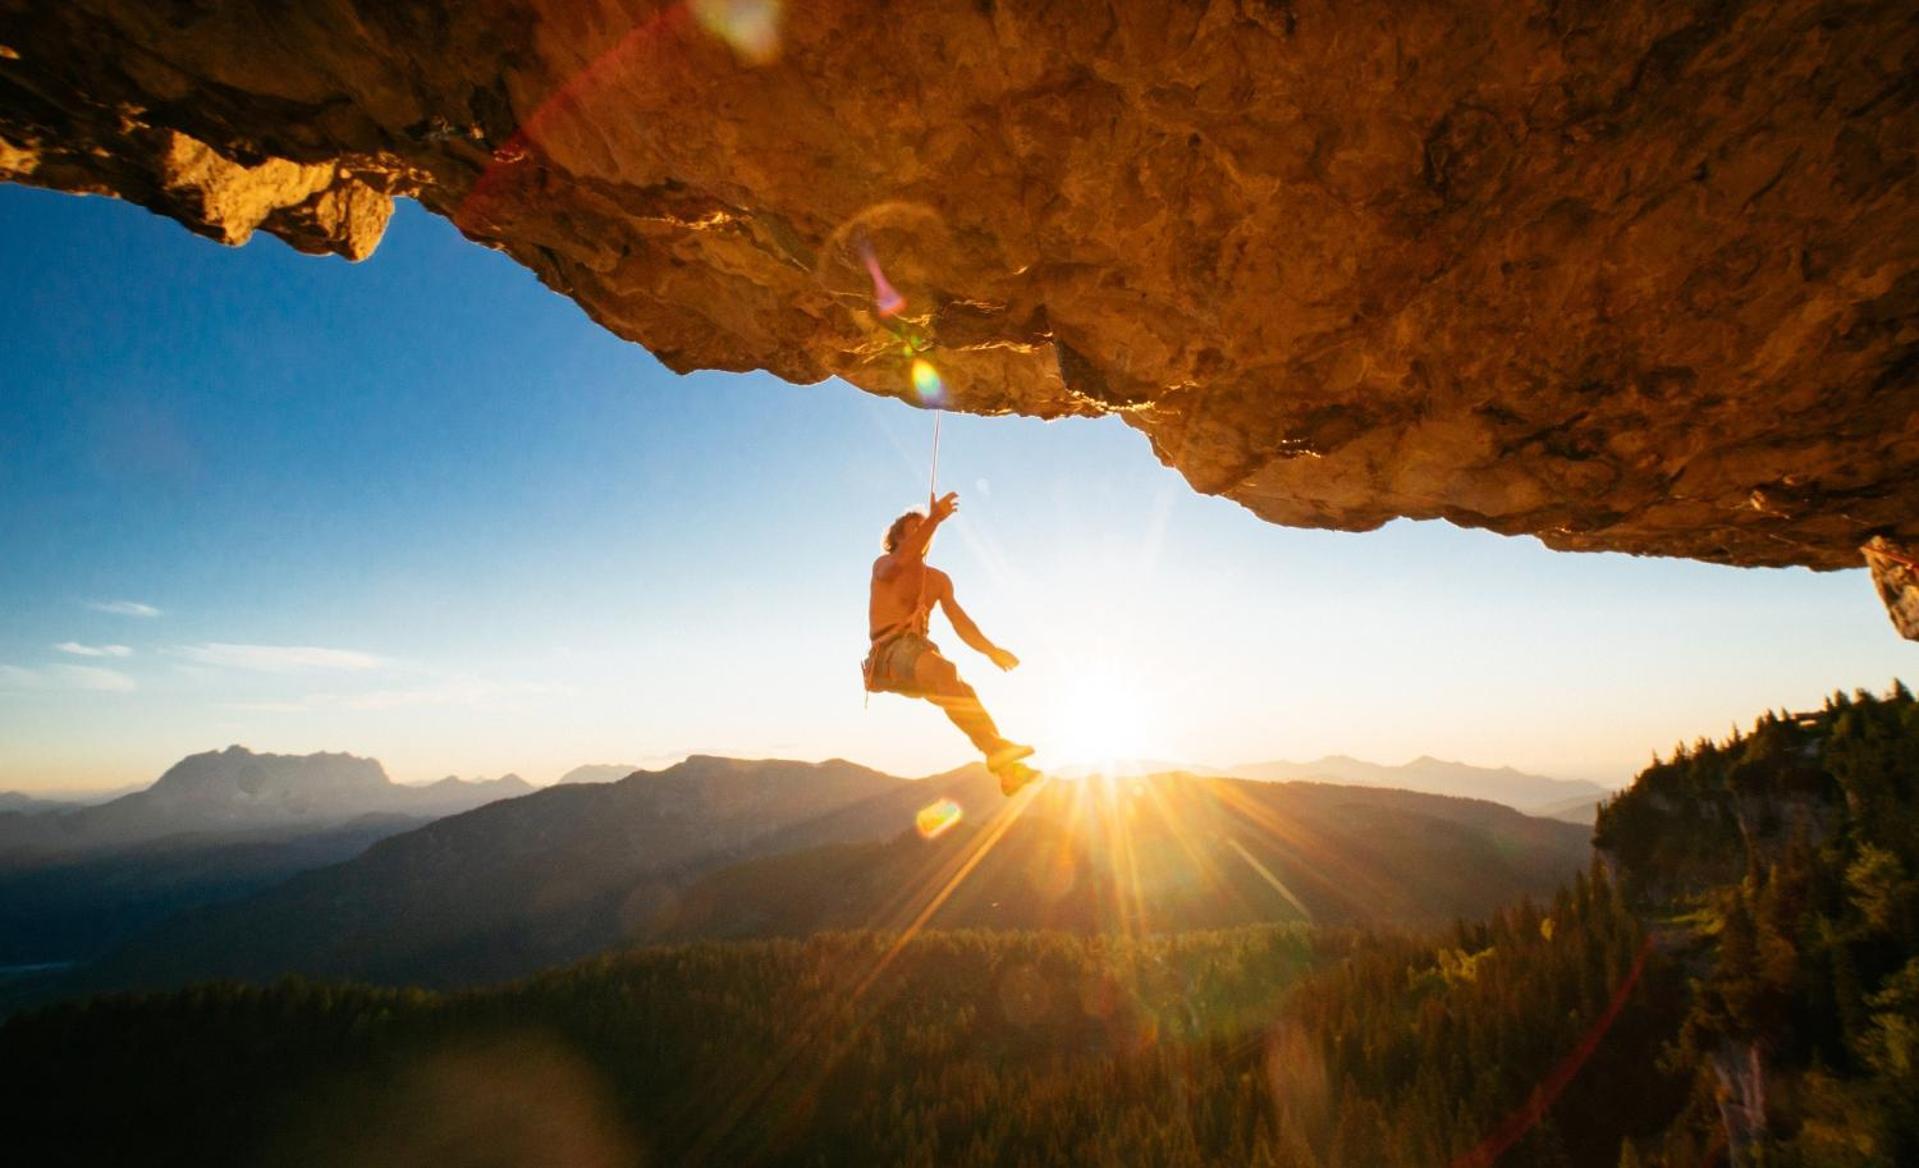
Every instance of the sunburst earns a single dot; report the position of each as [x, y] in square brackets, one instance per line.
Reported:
[1102, 723]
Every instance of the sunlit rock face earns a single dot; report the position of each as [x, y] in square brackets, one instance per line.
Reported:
[1627, 276]
[1895, 573]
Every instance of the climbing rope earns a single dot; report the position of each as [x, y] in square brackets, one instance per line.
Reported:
[933, 479]
[932, 498]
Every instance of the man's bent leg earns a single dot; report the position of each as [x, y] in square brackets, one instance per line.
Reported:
[938, 682]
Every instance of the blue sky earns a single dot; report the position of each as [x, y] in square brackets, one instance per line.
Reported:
[423, 509]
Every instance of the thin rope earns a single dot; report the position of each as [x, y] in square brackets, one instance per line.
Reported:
[932, 498]
[932, 482]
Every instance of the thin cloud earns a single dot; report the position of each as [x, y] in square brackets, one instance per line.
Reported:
[124, 608]
[90, 678]
[79, 650]
[279, 658]
[471, 692]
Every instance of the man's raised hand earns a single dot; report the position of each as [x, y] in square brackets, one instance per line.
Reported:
[945, 505]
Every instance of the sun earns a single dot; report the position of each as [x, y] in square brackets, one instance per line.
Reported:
[1104, 719]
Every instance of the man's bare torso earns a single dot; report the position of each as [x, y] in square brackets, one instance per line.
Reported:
[897, 594]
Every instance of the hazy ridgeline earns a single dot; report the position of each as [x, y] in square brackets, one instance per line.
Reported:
[707, 848]
[721, 848]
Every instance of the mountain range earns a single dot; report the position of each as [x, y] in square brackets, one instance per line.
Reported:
[328, 776]
[1570, 799]
[77, 880]
[235, 791]
[711, 847]
[717, 847]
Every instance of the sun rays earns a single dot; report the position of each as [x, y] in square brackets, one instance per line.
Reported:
[921, 900]
[1128, 850]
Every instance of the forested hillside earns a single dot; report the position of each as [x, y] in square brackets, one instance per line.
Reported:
[1784, 864]
[1274, 1045]
[73, 908]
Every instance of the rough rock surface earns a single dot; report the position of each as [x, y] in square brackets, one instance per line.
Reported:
[1629, 275]
[1895, 573]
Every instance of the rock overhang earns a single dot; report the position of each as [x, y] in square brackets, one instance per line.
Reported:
[1634, 277]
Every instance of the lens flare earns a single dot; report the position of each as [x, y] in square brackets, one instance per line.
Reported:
[934, 818]
[927, 383]
[750, 27]
[886, 298]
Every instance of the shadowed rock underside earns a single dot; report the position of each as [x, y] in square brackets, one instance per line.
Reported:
[1626, 276]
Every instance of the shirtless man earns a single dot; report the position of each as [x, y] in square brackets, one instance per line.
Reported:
[903, 661]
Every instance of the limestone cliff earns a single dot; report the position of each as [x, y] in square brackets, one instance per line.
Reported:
[1627, 276]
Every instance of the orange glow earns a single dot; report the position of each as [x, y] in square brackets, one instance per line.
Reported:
[1104, 722]
[1135, 847]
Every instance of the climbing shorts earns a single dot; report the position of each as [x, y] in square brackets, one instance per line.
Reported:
[889, 667]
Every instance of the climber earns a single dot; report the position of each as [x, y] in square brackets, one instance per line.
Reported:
[903, 661]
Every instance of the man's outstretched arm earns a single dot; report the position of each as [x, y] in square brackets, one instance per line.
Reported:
[914, 546]
[969, 632]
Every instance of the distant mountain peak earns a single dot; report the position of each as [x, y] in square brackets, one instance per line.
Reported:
[597, 772]
[508, 781]
[240, 790]
[220, 772]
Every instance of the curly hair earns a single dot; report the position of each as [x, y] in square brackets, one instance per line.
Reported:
[897, 532]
